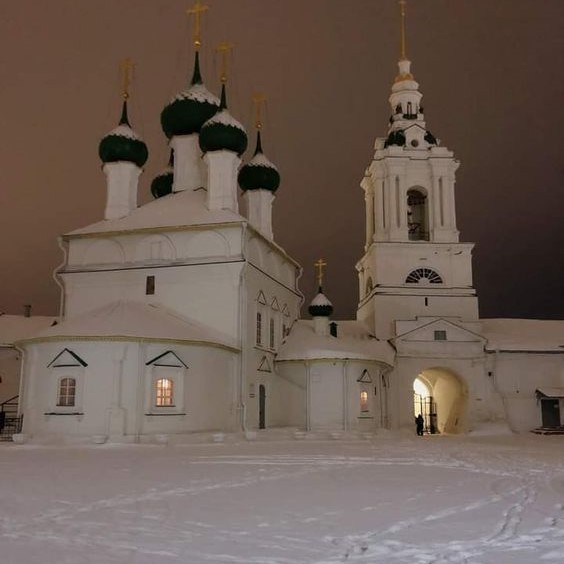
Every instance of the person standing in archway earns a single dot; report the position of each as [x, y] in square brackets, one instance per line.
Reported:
[419, 424]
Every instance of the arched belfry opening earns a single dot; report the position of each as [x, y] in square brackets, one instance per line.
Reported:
[417, 215]
[440, 396]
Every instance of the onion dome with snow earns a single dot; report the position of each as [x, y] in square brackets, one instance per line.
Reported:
[162, 183]
[191, 108]
[123, 144]
[223, 131]
[259, 173]
[320, 306]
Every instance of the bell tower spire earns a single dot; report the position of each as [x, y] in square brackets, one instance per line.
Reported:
[413, 264]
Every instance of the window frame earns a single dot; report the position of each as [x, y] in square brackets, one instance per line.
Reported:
[64, 388]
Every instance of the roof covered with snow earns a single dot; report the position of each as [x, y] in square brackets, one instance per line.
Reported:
[17, 327]
[134, 321]
[197, 92]
[178, 209]
[354, 341]
[534, 335]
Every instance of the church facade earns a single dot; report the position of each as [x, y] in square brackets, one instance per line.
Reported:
[183, 315]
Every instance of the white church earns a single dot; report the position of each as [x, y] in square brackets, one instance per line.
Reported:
[183, 315]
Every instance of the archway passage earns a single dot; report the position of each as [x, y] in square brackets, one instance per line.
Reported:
[440, 396]
[424, 405]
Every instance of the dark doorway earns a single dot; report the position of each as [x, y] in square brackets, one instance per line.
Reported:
[262, 407]
[550, 412]
[427, 408]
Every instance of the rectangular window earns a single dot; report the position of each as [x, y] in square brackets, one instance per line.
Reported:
[272, 333]
[150, 285]
[164, 388]
[440, 336]
[363, 401]
[259, 328]
[67, 392]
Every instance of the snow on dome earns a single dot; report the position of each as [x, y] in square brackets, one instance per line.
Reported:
[260, 159]
[224, 118]
[197, 92]
[123, 130]
[321, 300]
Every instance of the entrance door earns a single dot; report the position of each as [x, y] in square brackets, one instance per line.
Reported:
[262, 407]
[426, 406]
[550, 412]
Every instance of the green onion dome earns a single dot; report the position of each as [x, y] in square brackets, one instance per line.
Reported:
[395, 138]
[259, 173]
[162, 183]
[430, 138]
[320, 305]
[190, 109]
[123, 144]
[223, 131]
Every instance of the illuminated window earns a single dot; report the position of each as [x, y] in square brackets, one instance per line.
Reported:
[67, 392]
[363, 401]
[259, 328]
[164, 392]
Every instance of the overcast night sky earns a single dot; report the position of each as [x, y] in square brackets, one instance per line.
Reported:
[490, 72]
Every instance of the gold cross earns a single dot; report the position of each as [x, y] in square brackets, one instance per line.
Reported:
[402, 4]
[224, 49]
[259, 100]
[126, 67]
[197, 12]
[320, 264]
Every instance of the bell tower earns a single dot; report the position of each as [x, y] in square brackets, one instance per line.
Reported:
[414, 264]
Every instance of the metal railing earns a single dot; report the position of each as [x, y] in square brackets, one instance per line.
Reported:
[10, 421]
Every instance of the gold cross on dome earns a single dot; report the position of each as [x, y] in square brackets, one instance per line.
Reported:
[197, 11]
[224, 49]
[126, 67]
[259, 100]
[320, 265]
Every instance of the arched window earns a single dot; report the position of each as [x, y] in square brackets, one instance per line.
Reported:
[164, 392]
[67, 392]
[423, 276]
[417, 216]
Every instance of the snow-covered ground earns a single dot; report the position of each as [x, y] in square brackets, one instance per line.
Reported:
[391, 499]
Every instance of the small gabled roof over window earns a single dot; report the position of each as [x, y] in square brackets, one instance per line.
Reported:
[65, 359]
[261, 298]
[168, 359]
[365, 377]
[550, 392]
[285, 310]
[264, 365]
[274, 305]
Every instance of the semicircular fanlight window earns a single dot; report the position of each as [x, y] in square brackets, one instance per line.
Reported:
[423, 276]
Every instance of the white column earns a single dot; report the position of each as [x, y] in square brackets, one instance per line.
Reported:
[121, 178]
[188, 166]
[222, 167]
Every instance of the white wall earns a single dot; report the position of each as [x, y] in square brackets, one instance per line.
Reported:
[112, 390]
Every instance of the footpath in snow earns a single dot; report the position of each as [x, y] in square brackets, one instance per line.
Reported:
[392, 499]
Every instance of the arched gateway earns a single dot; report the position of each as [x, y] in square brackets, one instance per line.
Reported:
[440, 396]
